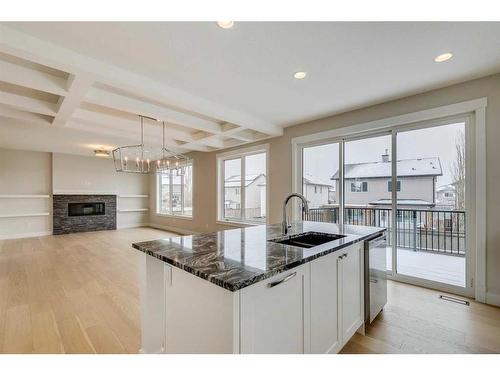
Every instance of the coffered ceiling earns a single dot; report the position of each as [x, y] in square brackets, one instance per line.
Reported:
[71, 87]
[51, 87]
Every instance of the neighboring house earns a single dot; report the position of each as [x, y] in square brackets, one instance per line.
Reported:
[317, 191]
[255, 199]
[176, 192]
[370, 184]
[446, 196]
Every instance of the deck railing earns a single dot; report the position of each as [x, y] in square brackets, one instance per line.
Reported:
[441, 231]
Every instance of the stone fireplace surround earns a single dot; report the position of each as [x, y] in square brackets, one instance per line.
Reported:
[63, 223]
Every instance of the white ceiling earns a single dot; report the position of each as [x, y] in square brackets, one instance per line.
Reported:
[236, 85]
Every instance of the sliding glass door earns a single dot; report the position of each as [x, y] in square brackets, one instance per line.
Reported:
[367, 171]
[419, 196]
[320, 183]
[431, 204]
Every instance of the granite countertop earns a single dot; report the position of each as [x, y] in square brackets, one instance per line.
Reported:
[236, 258]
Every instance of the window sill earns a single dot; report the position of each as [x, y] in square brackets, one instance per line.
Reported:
[239, 224]
[170, 216]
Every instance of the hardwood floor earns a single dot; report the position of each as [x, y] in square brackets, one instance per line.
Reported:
[74, 293]
[78, 293]
[415, 320]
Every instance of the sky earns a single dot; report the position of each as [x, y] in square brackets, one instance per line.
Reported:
[322, 161]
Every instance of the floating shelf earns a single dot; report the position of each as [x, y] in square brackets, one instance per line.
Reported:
[134, 210]
[24, 196]
[82, 192]
[25, 215]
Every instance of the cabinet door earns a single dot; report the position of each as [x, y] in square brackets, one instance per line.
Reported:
[352, 291]
[198, 315]
[274, 313]
[325, 332]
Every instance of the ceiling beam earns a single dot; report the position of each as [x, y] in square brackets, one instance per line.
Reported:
[6, 111]
[34, 79]
[50, 54]
[78, 85]
[134, 135]
[110, 121]
[136, 106]
[211, 142]
[28, 104]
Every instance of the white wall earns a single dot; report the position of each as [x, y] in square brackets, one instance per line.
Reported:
[25, 173]
[30, 173]
[92, 175]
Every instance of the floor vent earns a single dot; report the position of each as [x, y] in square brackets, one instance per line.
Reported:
[453, 299]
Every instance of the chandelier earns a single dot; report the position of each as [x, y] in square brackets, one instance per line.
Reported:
[170, 160]
[133, 158]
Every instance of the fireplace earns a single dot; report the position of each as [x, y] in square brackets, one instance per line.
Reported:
[85, 209]
[83, 213]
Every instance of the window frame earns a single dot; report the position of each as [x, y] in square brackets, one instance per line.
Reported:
[174, 214]
[389, 186]
[363, 184]
[239, 154]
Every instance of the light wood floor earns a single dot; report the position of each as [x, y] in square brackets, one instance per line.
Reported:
[75, 293]
[416, 321]
[78, 293]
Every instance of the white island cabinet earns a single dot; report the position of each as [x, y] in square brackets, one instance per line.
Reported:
[315, 307]
[337, 298]
[274, 314]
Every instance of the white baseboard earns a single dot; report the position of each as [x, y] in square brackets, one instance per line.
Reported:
[24, 235]
[492, 299]
[134, 225]
[127, 226]
[171, 229]
[141, 351]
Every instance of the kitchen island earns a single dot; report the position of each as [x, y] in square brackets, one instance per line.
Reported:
[251, 290]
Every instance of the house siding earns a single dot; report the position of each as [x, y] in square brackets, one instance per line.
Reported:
[411, 188]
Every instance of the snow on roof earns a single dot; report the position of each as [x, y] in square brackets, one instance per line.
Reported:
[309, 179]
[406, 168]
[403, 202]
[235, 180]
[445, 188]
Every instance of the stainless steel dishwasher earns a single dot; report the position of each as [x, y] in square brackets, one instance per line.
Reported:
[375, 277]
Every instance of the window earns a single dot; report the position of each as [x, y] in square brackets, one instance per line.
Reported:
[448, 195]
[359, 187]
[175, 193]
[389, 186]
[243, 187]
[315, 190]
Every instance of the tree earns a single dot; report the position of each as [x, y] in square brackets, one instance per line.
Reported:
[458, 171]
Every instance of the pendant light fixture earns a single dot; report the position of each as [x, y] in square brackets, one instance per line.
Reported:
[170, 160]
[132, 159]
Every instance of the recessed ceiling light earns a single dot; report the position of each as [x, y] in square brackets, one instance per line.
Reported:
[101, 153]
[300, 75]
[443, 57]
[225, 24]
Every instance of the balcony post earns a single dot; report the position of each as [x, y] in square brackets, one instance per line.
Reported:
[414, 230]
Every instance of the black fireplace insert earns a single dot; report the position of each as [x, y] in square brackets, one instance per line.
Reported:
[86, 209]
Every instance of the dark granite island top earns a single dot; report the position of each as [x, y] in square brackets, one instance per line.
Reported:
[236, 258]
